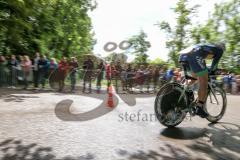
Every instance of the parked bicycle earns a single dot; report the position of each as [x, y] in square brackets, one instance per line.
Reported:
[175, 100]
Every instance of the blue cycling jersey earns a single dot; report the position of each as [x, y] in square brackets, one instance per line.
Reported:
[213, 50]
[197, 54]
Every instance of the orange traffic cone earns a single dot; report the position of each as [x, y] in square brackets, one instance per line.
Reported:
[110, 97]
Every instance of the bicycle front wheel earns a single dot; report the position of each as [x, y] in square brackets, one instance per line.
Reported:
[216, 104]
[169, 105]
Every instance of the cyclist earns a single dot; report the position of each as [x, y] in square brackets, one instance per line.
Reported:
[195, 56]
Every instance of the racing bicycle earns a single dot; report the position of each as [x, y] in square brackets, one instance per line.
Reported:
[175, 100]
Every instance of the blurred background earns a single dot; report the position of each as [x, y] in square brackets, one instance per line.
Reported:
[58, 31]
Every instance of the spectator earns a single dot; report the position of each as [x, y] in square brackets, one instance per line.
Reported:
[19, 69]
[130, 78]
[148, 75]
[108, 75]
[140, 78]
[52, 73]
[219, 80]
[43, 66]
[73, 66]
[117, 75]
[87, 77]
[35, 70]
[3, 70]
[170, 74]
[162, 76]
[12, 65]
[114, 75]
[62, 73]
[238, 83]
[227, 79]
[156, 74]
[53, 66]
[26, 65]
[177, 75]
[226, 83]
[233, 84]
[124, 78]
[100, 72]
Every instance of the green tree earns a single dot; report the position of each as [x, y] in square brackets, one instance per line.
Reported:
[46, 25]
[178, 36]
[223, 25]
[157, 61]
[140, 46]
[14, 22]
[116, 57]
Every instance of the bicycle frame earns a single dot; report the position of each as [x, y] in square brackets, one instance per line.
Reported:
[187, 86]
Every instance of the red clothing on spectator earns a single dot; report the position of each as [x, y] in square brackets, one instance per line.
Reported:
[108, 72]
[139, 77]
[62, 69]
[63, 66]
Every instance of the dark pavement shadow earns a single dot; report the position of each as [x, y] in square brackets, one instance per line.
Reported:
[12, 149]
[17, 98]
[166, 152]
[184, 133]
[223, 142]
[16, 95]
[7, 92]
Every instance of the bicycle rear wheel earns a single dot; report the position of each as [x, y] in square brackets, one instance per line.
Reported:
[216, 104]
[168, 108]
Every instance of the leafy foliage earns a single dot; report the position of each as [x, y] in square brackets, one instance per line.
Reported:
[223, 25]
[158, 61]
[45, 25]
[117, 58]
[140, 46]
[177, 37]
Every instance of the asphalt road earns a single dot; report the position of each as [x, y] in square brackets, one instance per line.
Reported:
[53, 126]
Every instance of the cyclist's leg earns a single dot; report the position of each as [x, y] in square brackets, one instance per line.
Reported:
[199, 69]
[198, 66]
[203, 84]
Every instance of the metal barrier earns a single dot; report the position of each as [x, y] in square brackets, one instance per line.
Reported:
[4, 76]
[15, 77]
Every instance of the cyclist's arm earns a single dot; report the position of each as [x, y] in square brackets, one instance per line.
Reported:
[215, 52]
[216, 59]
